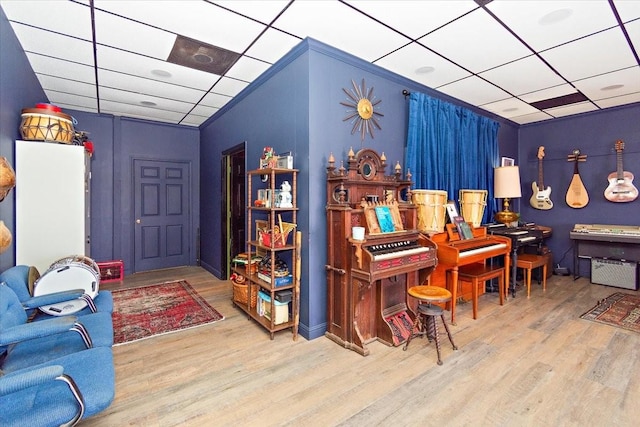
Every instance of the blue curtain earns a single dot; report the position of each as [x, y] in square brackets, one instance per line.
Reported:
[451, 148]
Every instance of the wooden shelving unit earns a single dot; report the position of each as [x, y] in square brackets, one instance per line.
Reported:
[273, 217]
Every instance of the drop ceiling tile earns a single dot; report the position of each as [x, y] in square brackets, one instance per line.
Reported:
[193, 120]
[272, 45]
[509, 76]
[203, 110]
[142, 66]
[627, 9]
[66, 86]
[511, 107]
[414, 18]
[567, 110]
[138, 111]
[136, 99]
[64, 17]
[474, 91]
[549, 93]
[131, 36]
[229, 87]
[633, 29]
[576, 60]
[339, 26]
[55, 45]
[148, 87]
[610, 85]
[65, 69]
[215, 100]
[247, 69]
[471, 42]
[618, 100]
[538, 22]
[71, 101]
[531, 118]
[264, 11]
[198, 20]
[415, 62]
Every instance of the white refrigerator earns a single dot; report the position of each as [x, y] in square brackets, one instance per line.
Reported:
[52, 203]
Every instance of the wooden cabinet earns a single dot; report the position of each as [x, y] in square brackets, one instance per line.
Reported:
[272, 234]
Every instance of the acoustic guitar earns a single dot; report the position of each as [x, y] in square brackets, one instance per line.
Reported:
[577, 196]
[621, 188]
[540, 198]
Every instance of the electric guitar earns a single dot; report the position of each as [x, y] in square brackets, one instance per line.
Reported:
[577, 196]
[621, 188]
[540, 198]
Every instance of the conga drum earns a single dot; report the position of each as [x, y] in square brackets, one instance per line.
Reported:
[472, 204]
[432, 206]
[74, 272]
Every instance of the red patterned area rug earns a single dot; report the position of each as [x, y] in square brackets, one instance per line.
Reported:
[620, 309]
[146, 311]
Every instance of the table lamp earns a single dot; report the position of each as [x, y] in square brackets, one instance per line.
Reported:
[506, 186]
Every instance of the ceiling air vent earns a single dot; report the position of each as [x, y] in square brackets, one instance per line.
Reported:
[201, 56]
[572, 98]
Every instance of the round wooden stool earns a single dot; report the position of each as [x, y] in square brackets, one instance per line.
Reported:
[427, 295]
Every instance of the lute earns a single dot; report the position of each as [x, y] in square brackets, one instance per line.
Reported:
[540, 198]
[577, 196]
[620, 188]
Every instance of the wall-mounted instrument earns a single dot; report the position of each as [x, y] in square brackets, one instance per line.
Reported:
[621, 188]
[540, 198]
[577, 196]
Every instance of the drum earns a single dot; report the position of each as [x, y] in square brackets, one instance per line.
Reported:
[40, 124]
[431, 209]
[472, 204]
[74, 272]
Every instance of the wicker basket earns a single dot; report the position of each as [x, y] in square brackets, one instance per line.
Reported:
[240, 291]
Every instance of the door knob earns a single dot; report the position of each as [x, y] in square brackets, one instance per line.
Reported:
[138, 221]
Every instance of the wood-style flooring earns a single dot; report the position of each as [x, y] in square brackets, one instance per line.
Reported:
[531, 362]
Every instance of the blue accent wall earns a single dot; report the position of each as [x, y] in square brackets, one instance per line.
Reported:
[594, 134]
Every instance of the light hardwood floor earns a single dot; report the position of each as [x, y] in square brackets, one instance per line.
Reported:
[531, 362]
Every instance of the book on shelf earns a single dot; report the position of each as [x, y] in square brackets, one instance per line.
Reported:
[278, 281]
[464, 230]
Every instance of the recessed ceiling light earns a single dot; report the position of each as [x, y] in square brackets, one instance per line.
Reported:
[161, 73]
[555, 16]
[612, 87]
[148, 103]
[425, 70]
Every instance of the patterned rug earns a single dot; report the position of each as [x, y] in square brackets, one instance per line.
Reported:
[146, 311]
[620, 309]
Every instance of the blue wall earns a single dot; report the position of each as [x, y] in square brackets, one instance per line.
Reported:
[595, 135]
[295, 106]
[117, 141]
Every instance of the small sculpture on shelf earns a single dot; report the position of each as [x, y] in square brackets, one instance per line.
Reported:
[285, 195]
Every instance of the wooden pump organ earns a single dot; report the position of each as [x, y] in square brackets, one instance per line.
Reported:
[368, 278]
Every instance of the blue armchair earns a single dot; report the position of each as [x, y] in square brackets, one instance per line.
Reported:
[28, 344]
[17, 278]
[60, 392]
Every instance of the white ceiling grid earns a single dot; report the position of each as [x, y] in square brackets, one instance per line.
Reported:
[499, 55]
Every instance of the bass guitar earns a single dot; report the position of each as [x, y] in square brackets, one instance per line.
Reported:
[577, 196]
[540, 198]
[621, 188]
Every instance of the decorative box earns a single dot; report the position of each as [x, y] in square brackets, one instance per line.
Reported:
[111, 271]
[264, 308]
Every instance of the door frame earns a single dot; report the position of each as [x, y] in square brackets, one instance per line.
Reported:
[227, 182]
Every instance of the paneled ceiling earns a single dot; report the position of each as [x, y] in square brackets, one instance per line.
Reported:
[523, 60]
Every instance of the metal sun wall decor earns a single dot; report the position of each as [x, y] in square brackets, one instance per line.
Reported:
[363, 114]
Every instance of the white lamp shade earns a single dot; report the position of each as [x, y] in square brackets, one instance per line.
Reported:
[506, 182]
